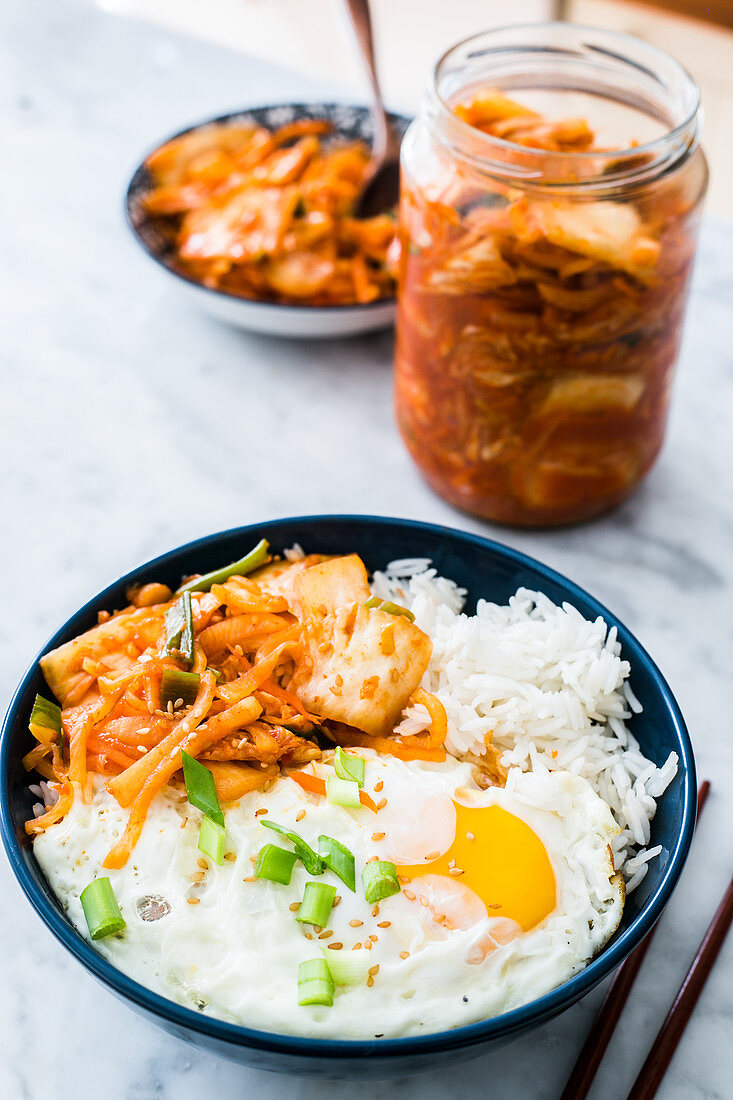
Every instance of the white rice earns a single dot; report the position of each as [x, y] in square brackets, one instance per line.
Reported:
[545, 686]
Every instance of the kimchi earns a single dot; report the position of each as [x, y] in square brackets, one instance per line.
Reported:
[268, 214]
[539, 318]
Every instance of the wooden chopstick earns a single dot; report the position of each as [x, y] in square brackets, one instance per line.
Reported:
[604, 1024]
[664, 1046]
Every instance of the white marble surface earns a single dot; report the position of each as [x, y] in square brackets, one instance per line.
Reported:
[129, 424]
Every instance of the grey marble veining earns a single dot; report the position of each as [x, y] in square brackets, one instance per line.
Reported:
[129, 424]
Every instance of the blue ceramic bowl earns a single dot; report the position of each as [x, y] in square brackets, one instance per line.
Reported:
[485, 569]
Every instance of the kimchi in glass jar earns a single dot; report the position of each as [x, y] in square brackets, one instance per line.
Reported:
[551, 192]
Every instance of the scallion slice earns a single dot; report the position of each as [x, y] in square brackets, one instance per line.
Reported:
[343, 792]
[179, 630]
[351, 767]
[317, 903]
[211, 840]
[315, 984]
[201, 789]
[338, 859]
[390, 607]
[310, 859]
[275, 864]
[256, 557]
[45, 715]
[349, 967]
[379, 880]
[175, 685]
[101, 910]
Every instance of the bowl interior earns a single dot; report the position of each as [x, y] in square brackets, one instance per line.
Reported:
[350, 123]
[486, 569]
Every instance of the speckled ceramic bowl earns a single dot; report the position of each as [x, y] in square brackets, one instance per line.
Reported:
[350, 123]
[485, 569]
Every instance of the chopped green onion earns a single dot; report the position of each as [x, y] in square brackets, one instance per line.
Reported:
[175, 685]
[390, 607]
[218, 676]
[101, 910]
[350, 767]
[276, 864]
[379, 880]
[343, 792]
[310, 859]
[315, 984]
[397, 609]
[179, 630]
[201, 789]
[256, 557]
[211, 840]
[338, 859]
[349, 967]
[45, 716]
[316, 904]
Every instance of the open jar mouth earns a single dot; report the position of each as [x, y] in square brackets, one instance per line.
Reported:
[561, 57]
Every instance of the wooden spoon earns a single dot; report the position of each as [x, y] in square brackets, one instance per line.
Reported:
[382, 189]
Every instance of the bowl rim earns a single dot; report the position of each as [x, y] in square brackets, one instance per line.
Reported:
[468, 1035]
[302, 308]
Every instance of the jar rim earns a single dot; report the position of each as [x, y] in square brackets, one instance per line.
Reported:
[677, 141]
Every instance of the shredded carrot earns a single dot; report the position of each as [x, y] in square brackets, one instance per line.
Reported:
[54, 813]
[314, 784]
[438, 718]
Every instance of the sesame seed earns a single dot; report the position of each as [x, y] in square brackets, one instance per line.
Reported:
[424, 902]
[339, 681]
[317, 928]
[197, 876]
[356, 923]
[309, 935]
[141, 748]
[432, 855]
[496, 905]
[402, 879]
[178, 703]
[379, 786]
[375, 911]
[336, 901]
[368, 944]
[382, 803]
[299, 816]
[253, 859]
[374, 970]
[404, 954]
[373, 859]
[378, 836]
[455, 871]
[451, 863]
[294, 907]
[250, 878]
[335, 946]
[260, 812]
[384, 924]
[169, 707]
[203, 864]
[470, 835]
[439, 918]
[373, 938]
[193, 901]
[356, 947]
[326, 935]
[370, 981]
[409, 895]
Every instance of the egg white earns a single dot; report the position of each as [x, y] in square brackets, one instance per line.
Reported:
[234, 952]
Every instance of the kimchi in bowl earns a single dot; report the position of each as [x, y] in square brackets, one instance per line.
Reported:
[251, 214]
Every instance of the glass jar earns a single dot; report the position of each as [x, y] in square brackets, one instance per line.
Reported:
[543, 274]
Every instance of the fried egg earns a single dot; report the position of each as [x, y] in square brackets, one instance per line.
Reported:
[505, 893]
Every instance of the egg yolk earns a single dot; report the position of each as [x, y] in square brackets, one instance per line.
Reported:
[502, 860]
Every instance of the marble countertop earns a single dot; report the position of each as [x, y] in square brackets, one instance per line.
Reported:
[131, 424]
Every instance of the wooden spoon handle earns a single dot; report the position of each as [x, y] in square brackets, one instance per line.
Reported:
[360, 16]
